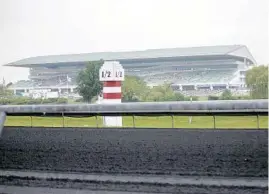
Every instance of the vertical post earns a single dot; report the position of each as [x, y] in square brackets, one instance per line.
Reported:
[63, 119]
[214, 118]
[96, 119]
[133, 121]
[112, 95]
[31, 120]
[190, 117]
[2, 121]
[67, 85]
[172, 116]
[258, 122]
[112, 74]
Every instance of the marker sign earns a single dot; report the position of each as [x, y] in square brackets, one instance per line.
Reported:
[111, 71]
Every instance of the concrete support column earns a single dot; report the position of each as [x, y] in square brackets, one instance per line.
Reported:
[245, 61]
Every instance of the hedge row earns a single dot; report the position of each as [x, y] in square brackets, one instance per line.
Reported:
[23, 100]
[231, 98]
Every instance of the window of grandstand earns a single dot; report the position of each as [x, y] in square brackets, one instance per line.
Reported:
[219, 87]
[188, 87]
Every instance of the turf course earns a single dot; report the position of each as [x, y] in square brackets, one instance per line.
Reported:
[245, 122]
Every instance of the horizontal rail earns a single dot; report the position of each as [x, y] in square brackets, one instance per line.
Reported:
[172, 180]
[230, 107]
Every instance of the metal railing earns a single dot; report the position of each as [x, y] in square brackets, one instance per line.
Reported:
[197, 108]
[224, 107]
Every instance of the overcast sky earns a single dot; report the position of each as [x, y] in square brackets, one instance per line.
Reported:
[30, 28]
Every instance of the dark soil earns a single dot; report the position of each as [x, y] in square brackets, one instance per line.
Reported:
[229, 153]
[160, 151]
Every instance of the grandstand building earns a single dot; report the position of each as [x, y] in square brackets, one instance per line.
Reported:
[193, 71]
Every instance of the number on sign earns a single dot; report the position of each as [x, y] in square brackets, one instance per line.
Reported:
[118, 74]
[106, 74]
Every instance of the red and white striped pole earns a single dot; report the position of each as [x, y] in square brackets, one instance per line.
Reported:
[112, 74]
[112, 92]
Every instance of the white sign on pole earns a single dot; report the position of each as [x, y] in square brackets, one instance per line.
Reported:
[111, 71]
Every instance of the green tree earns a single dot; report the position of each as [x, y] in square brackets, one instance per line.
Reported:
[226, 95]
[88, 82]
[134, 89]
[257, 81]
[163, 93]
[4, 92]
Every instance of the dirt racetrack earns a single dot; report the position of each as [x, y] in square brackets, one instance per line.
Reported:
[209, 153]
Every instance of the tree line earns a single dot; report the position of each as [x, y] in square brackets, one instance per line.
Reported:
[14, 100]
[135, 89]
[257, 82]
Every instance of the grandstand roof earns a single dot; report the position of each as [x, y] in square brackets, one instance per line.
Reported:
[240, 51]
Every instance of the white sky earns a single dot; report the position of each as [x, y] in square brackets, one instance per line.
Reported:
[41, 27]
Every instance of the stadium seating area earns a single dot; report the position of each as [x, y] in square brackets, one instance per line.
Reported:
[191, 77]
[43, 83]
[154, 76]
[202, 92]
[23, 84]
[54, 82]
[215, 92]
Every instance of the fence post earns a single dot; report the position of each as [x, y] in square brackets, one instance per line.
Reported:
[172, 121]
[214, 118]
[133, 121]
[190, 117]
[258, 122]
[2, 121]
[63, 120]
[96, 119]
[31, 120]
